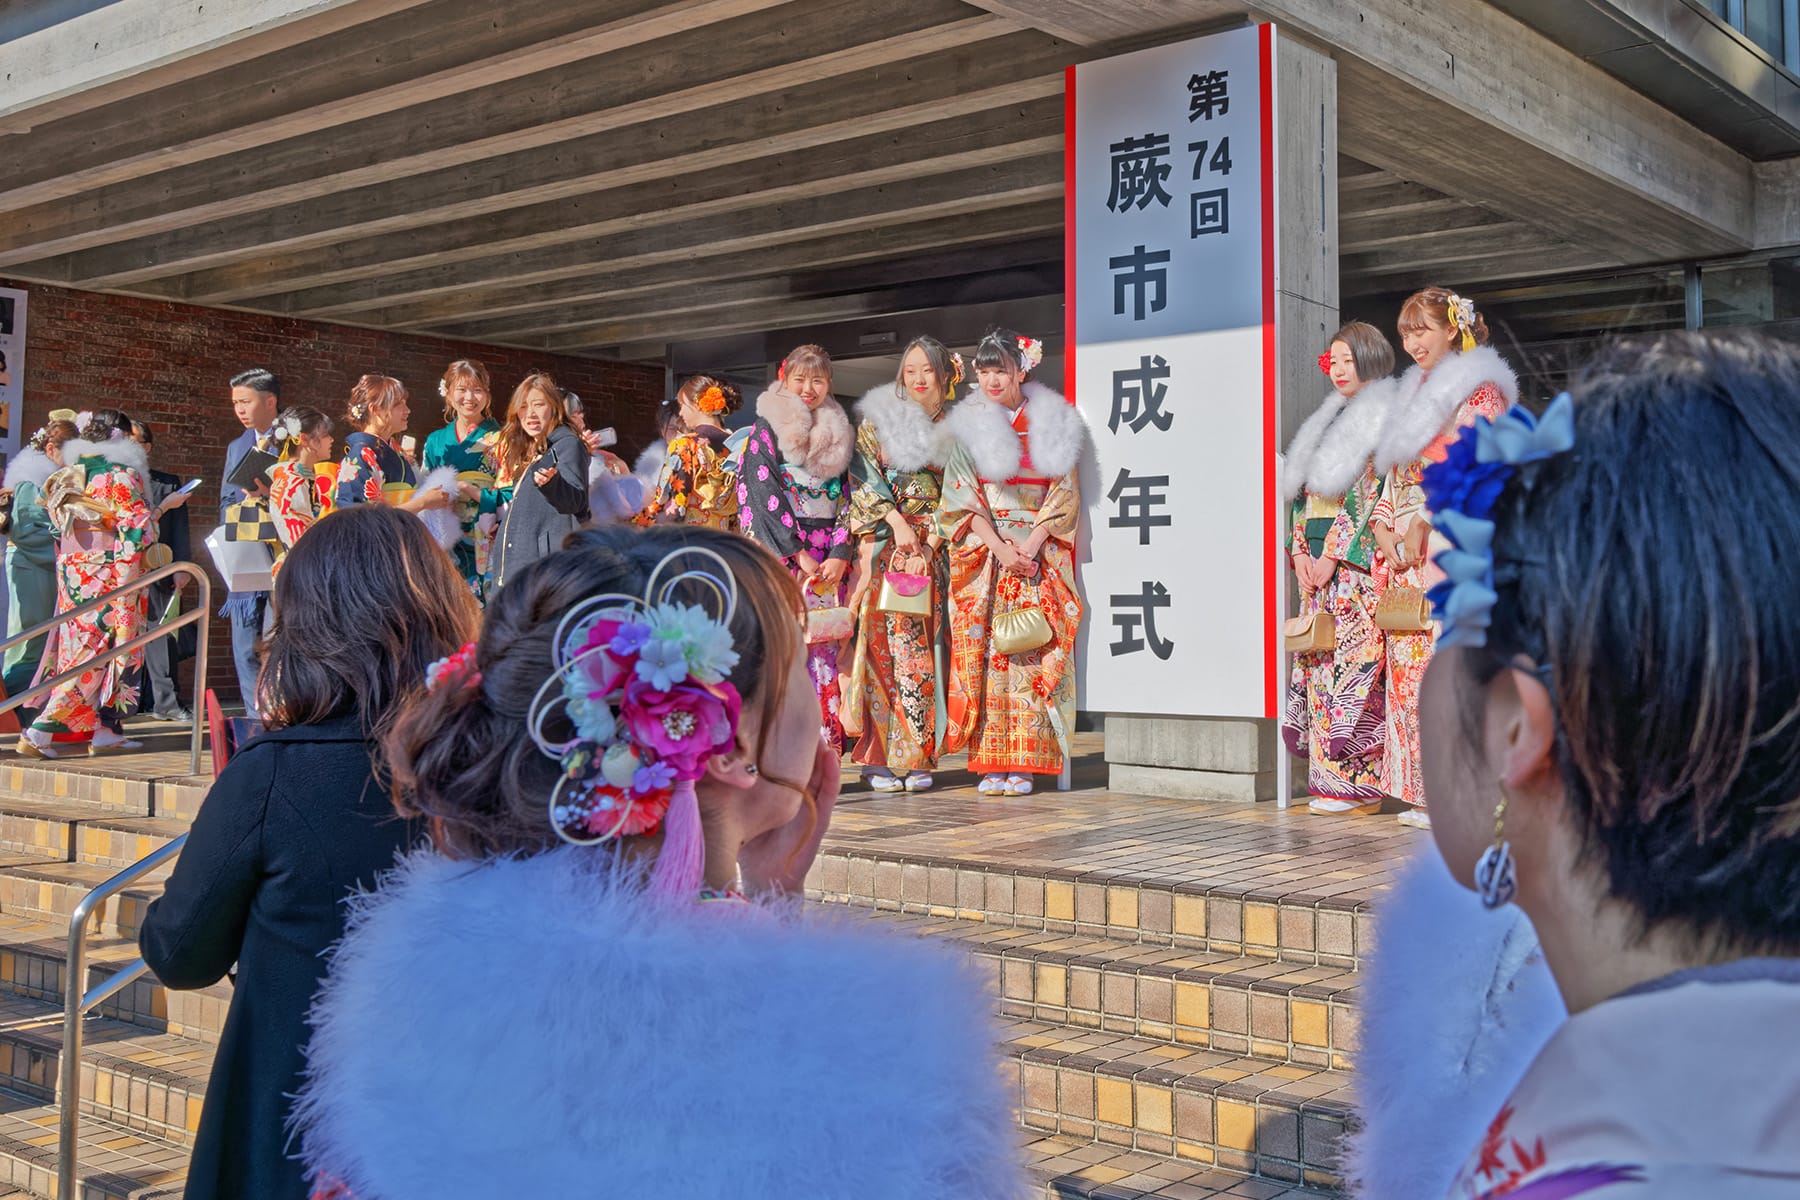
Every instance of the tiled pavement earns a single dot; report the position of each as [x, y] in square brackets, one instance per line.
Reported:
[1175, 982]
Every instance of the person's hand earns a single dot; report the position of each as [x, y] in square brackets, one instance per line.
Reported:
[591, 439]
[543, 476]
[468, 491]
[830, 574]
[182, 579]
[777, 861]
[258, 487]
[809, 566]
[1416, 535]
[1389, 544]
[172, 502]
[1303, 571]
[905, 540]
[427, 500]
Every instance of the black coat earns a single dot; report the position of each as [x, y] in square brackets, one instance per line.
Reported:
[295, 823]
[539, 518]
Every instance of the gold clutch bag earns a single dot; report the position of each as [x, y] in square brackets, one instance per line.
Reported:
[1403, 610]
[1309, 634]
[1021, 630]
[832, 624]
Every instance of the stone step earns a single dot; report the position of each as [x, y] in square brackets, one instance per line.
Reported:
[150, 1083]
[83, 831]
[35, 886]
[31, 964]
[115, 1163]
[1256, 1007]
[1066, 1169]
[1253, 918]
[1281, 1122]
[111, 785]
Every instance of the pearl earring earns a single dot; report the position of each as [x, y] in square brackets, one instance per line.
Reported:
[752, 769]
[1496, 875]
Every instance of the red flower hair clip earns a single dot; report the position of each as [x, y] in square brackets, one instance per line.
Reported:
[1325, 362]
[456, 667]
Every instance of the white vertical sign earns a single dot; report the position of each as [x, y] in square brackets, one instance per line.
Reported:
[1171, 343]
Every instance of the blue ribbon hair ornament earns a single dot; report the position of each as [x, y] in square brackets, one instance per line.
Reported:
[1461, 493]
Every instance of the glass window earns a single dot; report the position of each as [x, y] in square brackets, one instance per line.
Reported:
[1762, 23]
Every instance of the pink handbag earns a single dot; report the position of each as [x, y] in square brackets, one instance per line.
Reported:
[906, 593]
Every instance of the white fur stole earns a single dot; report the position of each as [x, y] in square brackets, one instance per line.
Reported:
[539, 1027]
[1336, 442]
[985, 430]
[119, 451]
[817, 440]
[1454, 1005]
[443, 523]
[1425, 405]
[29, 466]
[909, 438]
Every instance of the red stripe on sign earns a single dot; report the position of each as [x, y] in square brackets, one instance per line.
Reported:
[1272, 563]
[1069, 330]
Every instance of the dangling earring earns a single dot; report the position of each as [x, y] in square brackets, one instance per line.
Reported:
[1496, 876]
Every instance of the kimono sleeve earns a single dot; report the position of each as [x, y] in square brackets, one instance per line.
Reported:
[360, 478]
[963, 499]
[135, 520]
[871, 496]
[1061, 515]
[766, 509]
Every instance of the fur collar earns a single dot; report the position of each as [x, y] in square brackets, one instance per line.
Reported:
[120, 451]
[759, 1052]
[1424, 406]
[29, 466]
[985, 430]
[817, 440]
[1456, 1002]
[910, 439]
[1335, 443]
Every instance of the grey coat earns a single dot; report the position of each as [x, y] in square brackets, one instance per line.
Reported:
[538, 519]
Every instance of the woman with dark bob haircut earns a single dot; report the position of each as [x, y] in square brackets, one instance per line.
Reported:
[1611, 728]
[297, 821]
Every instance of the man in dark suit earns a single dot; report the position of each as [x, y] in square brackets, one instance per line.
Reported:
[163, 656]
[255, 399]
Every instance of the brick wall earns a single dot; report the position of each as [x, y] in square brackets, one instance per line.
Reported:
[168, 366]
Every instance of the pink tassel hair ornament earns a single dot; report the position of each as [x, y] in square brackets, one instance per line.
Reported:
[640, 682]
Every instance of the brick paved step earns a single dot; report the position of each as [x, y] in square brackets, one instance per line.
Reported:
[112, 786]
[1281, 1122]
[1255, 919]
[116, 1163]
[83, 831]
[31, 964]
[148, 1082]
[1066, 1169]
[1259, 1007]
[34, 886]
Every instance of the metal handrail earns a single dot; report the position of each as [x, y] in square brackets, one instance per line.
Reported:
[197, 615]
[77, 1004]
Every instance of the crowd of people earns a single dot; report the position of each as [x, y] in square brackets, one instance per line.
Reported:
[1364, 547]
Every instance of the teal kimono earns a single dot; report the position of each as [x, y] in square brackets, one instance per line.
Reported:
[30, 574]
[479, 452]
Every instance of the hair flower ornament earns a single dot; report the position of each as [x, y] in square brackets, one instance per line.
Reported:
[711, 401]
[1325, 362]
[1461, 492]
[1461, 311]
[1031, 353]
[956, 372]
[640, 685]
[458, 665]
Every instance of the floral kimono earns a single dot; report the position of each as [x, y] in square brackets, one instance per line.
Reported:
[370, 467]
[1670, 1091]
[696, 485]
[98, 506]
[1424, 417]
[476, 460]
[1014, 713]
[896, 700]
[1336, 710]
[791, 493]
[297, 499]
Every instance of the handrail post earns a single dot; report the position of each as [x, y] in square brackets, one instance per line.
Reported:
[197, 705]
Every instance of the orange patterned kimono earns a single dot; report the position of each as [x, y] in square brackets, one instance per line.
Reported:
[1016, 713]
[1408, 654]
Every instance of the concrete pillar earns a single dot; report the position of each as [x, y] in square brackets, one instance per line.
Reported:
[1206, 758]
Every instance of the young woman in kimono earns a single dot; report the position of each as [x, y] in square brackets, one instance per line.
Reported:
[896, 676]
[1456, 377]
[1337, 698]
[31, 550]
[697, 485]
[297, 496]
[1610, 720]
[468, 443]
[373, 470]
[103, 521]
[1010, 512]
[793, 497]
